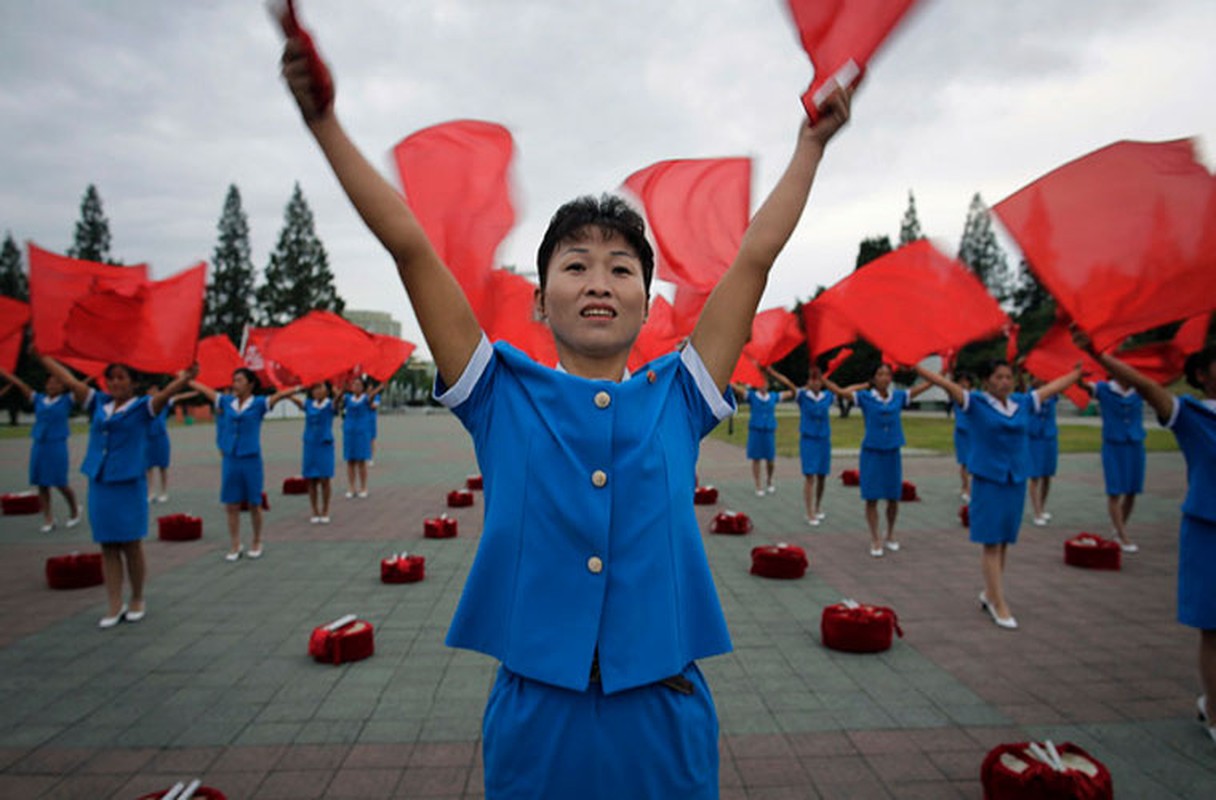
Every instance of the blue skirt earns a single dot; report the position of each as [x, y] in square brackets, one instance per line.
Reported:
[962, 445]
[1197, 573]
[996, 510]
[1123, 466]
[761, 445]
[882, 474]
[241, 480]
[157, 452]
[49, 463]
[816, 455]
[356, 445]
[118, 512]
[541, 741]
[1044, 456]
[318, 460]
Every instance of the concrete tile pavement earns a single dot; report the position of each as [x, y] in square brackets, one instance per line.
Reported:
[216, 681]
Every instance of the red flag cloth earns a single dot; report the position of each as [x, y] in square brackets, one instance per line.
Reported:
[269, 371]
[1193, 334]
[14, 314]
[837, 360]
[455, 179]
[1011, 342]
[697, 210]
[911, 303]
[659, 334]
[746, 372]
[825, 329]
[510, 318]
[217, 360]
[58, 282]
[391, 352]
[1124, 238]
[840, 37]
[320, 344]
[775, 333]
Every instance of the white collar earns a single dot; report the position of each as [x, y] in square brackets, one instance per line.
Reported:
[239, 406]
[1008, 408]
[762, 394]
[814, 395]
[1120, 389]
[315, 404]
[48, 400]
[890, 395]
[562, 369]
[1210, 402]
[112, 409]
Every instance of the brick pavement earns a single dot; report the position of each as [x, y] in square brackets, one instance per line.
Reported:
[216, 681]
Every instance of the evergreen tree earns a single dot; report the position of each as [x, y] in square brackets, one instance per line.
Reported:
[909, 228]
[1034, 309]
[980, 251]
[229, 303]
[870, 249]
[13, 282]
[91, 241]
[297, 277]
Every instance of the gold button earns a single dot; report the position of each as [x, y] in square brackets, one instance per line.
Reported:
[595, 565]
[603, 399]
[599, 478]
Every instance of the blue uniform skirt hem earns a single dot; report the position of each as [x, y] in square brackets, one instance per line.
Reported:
[761, 445]
[118, 512]
[540, 741]
[241, 480]
[49, 463]
[1196, 576]
[1044, 456]
[157, 452]
[318, 460]
[996, 510]
[356, 446]
[1123, 467]
[882, 474]
[816, 452]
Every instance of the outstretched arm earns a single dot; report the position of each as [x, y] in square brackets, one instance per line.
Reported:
[173, 387]
[725, 322]
[847, 392]
[957, 393]
[205, 390]
[282, 393]
[784, 381]
[917, 390]
[447, 321]
[79, 389]
[1156, 395]
[21, 385]
[1061, 383]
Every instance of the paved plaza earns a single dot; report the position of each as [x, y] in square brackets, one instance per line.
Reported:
[216, 681]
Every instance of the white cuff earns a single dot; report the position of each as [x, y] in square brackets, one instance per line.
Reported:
[718, 404]
[460, 391]
[1169, 423]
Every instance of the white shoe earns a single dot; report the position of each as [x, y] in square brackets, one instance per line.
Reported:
[759, 493]
[984, 600]
[255, 552]
[315, 520]
[74, 521]
[135, 616]
[876, 551]
[47, 527]
[813, 521]
[1129, 547]
[324, 520]
[893, 546]
[164, 498]
[1007, 623]
[1047, 516]
[1040, 522]
[362, 494]
[966, 498]
[110, 622]
[233, 557]
[1202, 706]
[821, 516]
[350, 495]
[771, 489]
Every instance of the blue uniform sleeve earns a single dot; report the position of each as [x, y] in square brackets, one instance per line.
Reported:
[470, 395]
[714, 406]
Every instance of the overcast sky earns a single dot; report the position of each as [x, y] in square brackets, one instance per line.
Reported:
[162, 105]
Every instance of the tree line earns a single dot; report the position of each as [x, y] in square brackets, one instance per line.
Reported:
[296, 278]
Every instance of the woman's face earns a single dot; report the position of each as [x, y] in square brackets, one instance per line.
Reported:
[1000, 382]
[357, 386]
[54, 386]
[241, 385]
[120, 384]
[814, 380]
[882, 378]
[318, 392]
[594, 299]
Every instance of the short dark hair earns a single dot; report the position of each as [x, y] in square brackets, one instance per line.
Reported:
[1198, 363]
[610, 214]
[250, 376]
[992, 366]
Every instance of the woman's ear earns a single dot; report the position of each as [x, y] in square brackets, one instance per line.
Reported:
[538, 306]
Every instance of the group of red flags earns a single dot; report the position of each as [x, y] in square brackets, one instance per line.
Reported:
[1124, 239]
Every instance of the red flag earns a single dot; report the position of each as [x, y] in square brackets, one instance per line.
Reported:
[841, 36]
[775, 333]
[911, 303]
[269, 371]
[1124, 238]
[825, 329]
[746, 372]
[510, 318]
[697, 210]
[14, 314]
[455, 180]
[390, 353]
[1011, 342]
[837, 360]
[58, 282]
[659, 334]
[320, 344]
[217, 360]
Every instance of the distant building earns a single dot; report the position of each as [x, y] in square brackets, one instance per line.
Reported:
[374, 322]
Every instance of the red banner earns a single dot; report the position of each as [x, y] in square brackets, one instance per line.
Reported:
[14, 315]
[217, 360]
[319, 345]
[390, 353]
